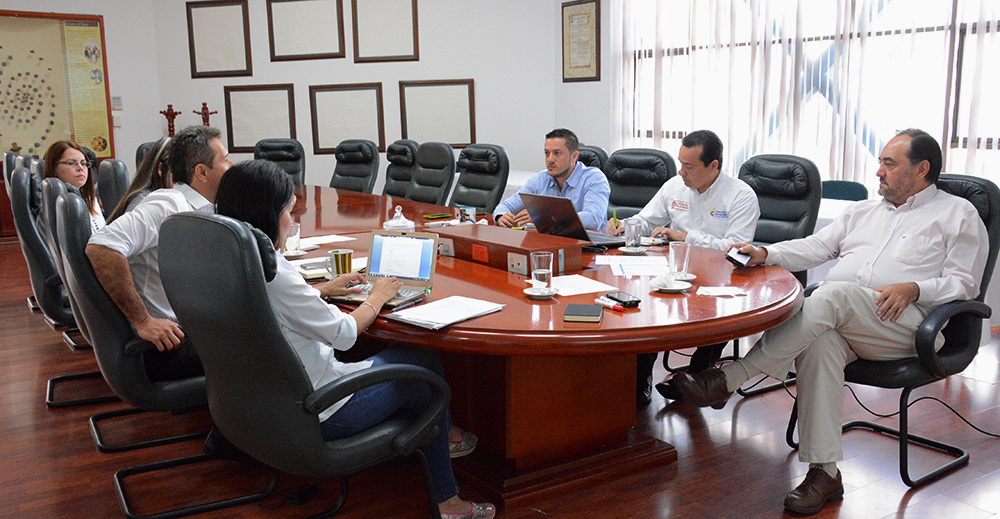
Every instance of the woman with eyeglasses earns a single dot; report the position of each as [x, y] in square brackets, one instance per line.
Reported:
[66, 161]
[153, 174]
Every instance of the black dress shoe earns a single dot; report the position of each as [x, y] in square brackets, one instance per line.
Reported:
[707, 388]
[814, 491]
[668, 391]
[644, 393]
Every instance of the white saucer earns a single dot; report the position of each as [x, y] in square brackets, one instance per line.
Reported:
[540, 293]
[632, 251]
[292, 254]
[672, 288]
[682, 276]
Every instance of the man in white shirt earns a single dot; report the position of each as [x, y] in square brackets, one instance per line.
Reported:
[899, 258]
[124, 253]
[564, 176]
[702, 207]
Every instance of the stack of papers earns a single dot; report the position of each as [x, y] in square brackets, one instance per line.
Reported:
[441, 313]
[315, 268]
[634, 265]
[305, 243]
[721, 291]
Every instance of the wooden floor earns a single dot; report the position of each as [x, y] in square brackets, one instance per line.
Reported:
[733, 462]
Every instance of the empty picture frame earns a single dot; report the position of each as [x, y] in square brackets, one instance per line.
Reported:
[219, 38]
[341, 112]
[256, 112]
[305, 29]
[440, 111]
[385, 30]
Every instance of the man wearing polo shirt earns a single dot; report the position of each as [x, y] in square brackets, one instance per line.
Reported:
[124, 253]
[564, 176]
[701, 207]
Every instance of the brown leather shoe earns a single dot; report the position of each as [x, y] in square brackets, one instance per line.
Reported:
[814, 491]
[706, 388]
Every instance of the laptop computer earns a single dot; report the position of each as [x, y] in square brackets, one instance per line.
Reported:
[407, 256]
[556, 215]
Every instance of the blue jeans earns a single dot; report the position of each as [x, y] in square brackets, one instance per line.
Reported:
[374, 404]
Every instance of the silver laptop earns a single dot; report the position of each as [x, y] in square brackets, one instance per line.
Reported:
[407, 256]
[556, 215]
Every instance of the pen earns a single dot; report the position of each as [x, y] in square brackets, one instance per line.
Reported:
[614, 216]
[610, 304]
[405, 305]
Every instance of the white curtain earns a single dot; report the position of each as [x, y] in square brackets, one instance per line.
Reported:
[828, 80]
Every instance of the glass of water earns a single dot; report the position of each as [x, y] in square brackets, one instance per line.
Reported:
[678, 257]
[292, 241]
[541, 270]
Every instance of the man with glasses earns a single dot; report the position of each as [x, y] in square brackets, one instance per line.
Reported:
[124, 253]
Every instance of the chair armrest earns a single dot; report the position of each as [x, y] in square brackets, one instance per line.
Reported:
[53, 281]
[137, 346]
[934, 322]
[809, 289]
[414, 435]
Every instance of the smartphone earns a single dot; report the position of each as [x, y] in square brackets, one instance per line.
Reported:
[624, 299]
[737, 258]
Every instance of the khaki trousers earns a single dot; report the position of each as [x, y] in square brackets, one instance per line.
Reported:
[836, 326]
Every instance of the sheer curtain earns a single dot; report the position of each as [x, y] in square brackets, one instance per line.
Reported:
[831, 81]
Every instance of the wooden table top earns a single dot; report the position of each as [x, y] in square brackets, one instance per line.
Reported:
[529, 327]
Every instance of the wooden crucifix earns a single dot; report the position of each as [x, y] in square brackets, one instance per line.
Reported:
[204, 113]
[170, 114]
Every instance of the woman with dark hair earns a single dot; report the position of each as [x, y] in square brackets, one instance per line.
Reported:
[66, 161]
[153, 174]
[262, 194]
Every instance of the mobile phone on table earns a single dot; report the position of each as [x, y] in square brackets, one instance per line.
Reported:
[625, 299]
[737, 258]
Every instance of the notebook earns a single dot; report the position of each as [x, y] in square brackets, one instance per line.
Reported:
[407, 256]
[556, 215]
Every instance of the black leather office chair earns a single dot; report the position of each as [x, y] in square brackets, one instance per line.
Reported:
[434, 175]
[286, 153]
[844, 190]
[635, 175]
[402, 158]
[9, 157]
[593, 156]
[120, 356]
[788, 191]
[112, 176]
[962, 324]
[259, 394]
[47, 286]
[482, 177]
[92, 170]
[46, 222]
[357, 166]
[140, 152]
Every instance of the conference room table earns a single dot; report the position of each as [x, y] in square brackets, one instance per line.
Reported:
[552, 402]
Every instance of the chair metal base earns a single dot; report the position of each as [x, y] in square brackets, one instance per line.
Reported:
[33, 304]
[725, 358]
[789, 381]
[50, 391]
[73, 338]
[186, 511]
[105, 447]
[905, 439]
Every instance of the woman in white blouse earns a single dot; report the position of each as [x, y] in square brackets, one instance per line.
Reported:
[260, 193]
[66, 161]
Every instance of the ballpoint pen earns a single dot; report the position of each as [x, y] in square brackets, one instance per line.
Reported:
[614, 217]
[405, 305]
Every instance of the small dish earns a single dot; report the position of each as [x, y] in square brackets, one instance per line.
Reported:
[292, 254]
[671, 287]
[632, 251]
[682, 276]
[540, 293]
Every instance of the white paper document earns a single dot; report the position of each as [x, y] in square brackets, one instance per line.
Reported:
[721, 291]
[576, 284]
[320, 240]
[314, 268]
[634, 265]
[441, 313]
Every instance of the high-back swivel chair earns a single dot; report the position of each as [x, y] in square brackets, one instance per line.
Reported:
[357, 166]
[402, 158]
[112, 183]
[635, 175]
[482, 178]
[434, 175]
[288, 154]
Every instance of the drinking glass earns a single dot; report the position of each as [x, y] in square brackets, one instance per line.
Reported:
[292, 241]
[678, 257]
[632, 238]
[541, 270]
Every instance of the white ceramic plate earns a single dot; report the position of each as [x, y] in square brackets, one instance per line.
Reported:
[682, 276]
[670, 288]
[540, 293]
[292, 254]
[632, 251]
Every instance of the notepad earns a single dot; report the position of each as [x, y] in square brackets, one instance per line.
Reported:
[577, 313]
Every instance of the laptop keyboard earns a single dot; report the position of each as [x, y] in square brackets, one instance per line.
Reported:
[403, 293]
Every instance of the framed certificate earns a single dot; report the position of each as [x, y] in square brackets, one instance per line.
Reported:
[581, 37]
[219, 38]
[441, 111]
[258, 112]
[305, 29]
[385, 30]
[341, 112]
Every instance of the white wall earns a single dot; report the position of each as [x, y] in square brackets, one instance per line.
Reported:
[511, 48]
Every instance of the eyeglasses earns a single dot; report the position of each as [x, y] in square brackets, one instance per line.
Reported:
[73, 163]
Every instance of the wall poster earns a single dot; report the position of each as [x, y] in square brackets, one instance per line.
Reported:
[53, 83]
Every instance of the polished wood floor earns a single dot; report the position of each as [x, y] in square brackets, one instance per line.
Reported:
[733, 462]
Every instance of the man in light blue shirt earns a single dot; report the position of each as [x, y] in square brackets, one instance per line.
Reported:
[564, 176]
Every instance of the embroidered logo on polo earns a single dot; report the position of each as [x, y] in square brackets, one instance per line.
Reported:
[678, 205]
[718, 213]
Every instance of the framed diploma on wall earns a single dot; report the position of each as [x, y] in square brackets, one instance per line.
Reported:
[256, 112]
[219, 38]
[581, 40]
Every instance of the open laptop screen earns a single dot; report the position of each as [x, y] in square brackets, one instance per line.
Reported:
[404, 256]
